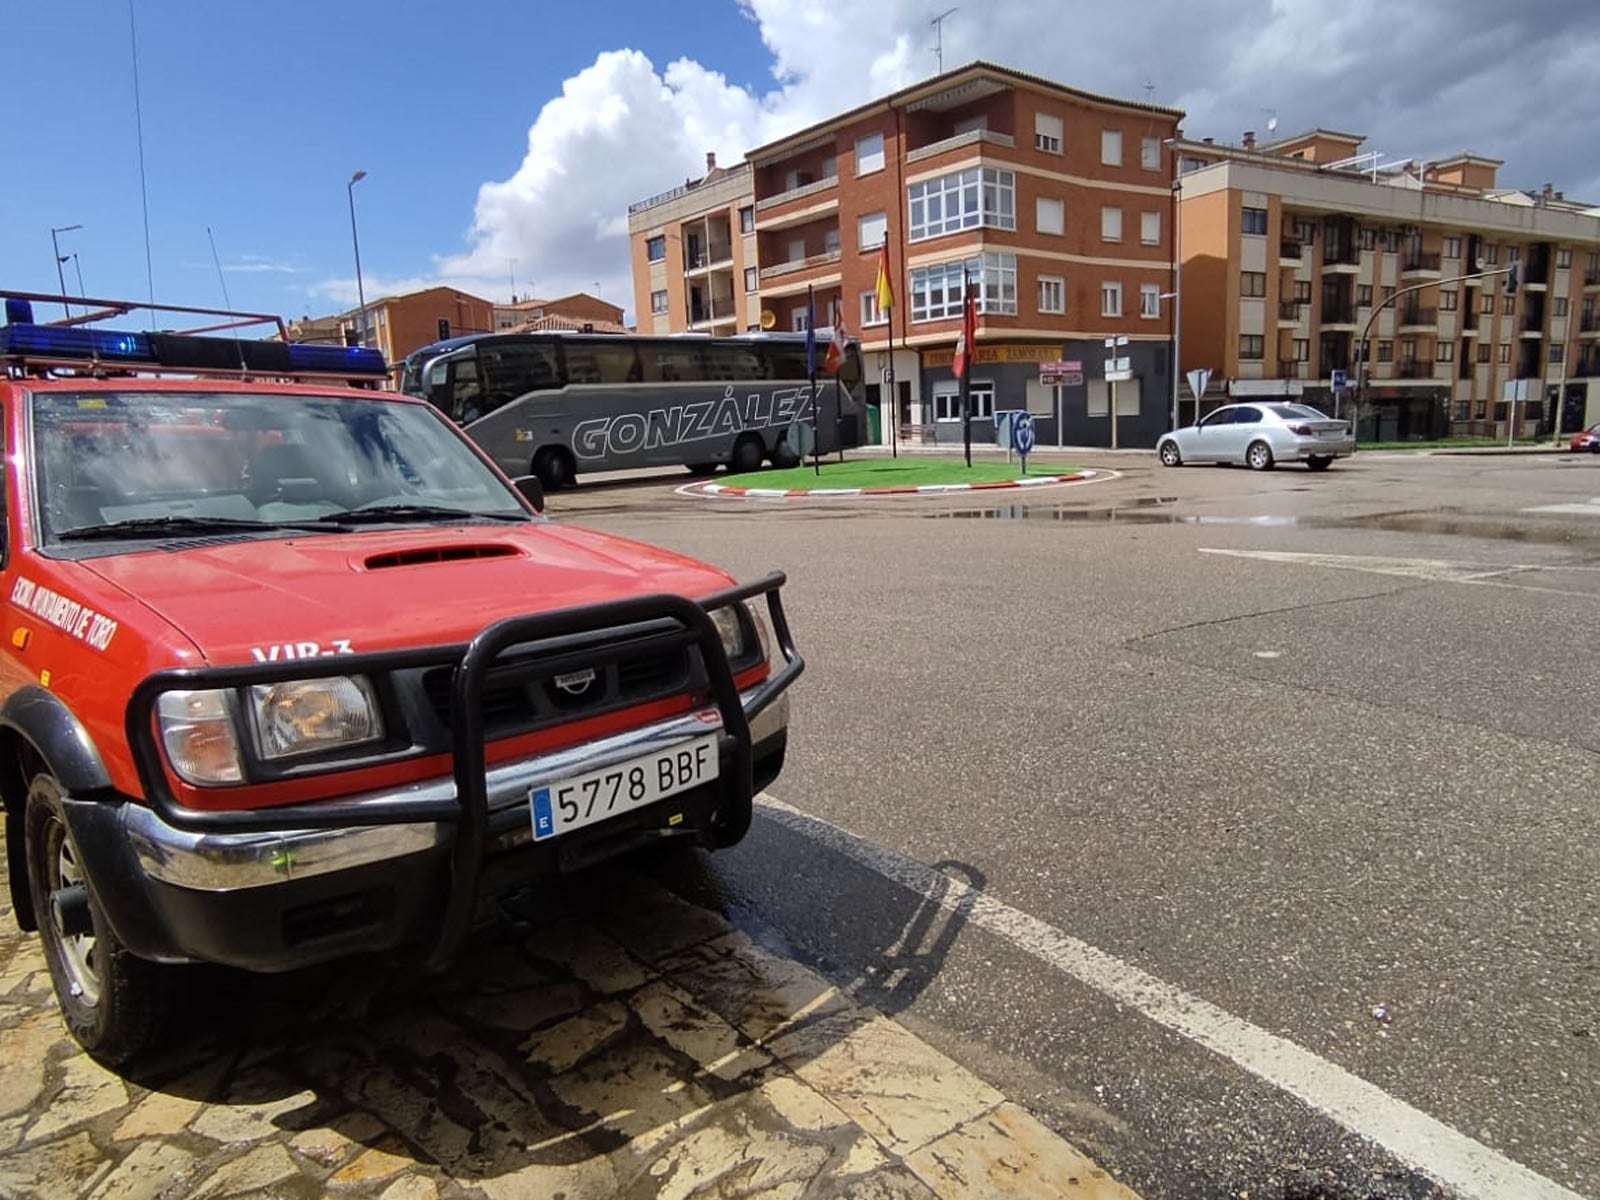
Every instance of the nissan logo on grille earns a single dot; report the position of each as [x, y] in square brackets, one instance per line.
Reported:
[576, 683]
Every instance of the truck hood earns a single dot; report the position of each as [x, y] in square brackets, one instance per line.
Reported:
[253, 601]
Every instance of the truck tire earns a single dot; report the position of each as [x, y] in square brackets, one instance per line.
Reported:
[747, 455]
[115, 1005]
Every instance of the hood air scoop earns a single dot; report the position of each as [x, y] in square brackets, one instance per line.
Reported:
[437, 554]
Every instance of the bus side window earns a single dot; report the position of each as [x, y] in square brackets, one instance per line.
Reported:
[516, 369]
[730, 362]
[677, 363]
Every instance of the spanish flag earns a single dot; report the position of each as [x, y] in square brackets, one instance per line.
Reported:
[884, 288]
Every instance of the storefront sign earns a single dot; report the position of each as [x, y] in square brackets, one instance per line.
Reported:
[996, 354]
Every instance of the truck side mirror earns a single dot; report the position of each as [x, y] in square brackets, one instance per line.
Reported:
[532, 490]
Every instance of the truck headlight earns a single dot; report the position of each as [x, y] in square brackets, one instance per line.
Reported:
[303, 716]
[731, 630]
[197, 731]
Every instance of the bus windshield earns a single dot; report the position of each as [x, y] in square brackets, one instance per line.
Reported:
[557, 404]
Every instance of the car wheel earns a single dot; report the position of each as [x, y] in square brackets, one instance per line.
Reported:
[554, 468]
[747, 455]
[1319, 462]
[115, 1005]
[1170, 457]
[1259, 456]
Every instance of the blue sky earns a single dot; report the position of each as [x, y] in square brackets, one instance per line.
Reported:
[522, 129]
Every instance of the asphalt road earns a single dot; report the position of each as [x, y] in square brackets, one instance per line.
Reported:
[1312, 756]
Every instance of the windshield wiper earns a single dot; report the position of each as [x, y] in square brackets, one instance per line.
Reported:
[381, 513]
[138, 527]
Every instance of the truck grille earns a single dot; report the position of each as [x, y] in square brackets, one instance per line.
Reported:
[520, 694]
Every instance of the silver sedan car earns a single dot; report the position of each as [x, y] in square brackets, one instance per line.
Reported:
[1260, 436]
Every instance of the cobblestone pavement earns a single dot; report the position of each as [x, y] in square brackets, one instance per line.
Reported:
[642, 1048]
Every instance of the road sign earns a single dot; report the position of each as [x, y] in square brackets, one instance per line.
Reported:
[1340, 381]
[1119, 370]
[1198, 378]
[1022, 434]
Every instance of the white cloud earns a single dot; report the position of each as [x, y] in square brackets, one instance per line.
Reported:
[1422, 79]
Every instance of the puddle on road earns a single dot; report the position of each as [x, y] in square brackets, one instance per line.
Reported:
[1156, 510]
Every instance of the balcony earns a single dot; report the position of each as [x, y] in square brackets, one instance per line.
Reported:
[1338, 314]
[1415, 317]
[1292, 370]
[826, 183]
[1412, 369]
[1591, 278]
[972, 137]
[1586, 365]
[1416, 263]
[1289, 251]
[718, 258]
[801, 264]
[1533, 324]
[1289, 312]
[1341, 259]
[1589, 326]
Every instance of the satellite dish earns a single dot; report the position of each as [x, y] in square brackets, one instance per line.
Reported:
[768, 318]
[1272, 123]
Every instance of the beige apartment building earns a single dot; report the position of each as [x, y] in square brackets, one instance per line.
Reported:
[694, 255]
[1056, 203]
[1291, 248]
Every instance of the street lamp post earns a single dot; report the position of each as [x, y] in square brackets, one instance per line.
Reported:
[1361, 345]
[55, 245]
[355, 241]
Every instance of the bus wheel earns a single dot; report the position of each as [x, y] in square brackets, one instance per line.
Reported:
[554, 468]
[783, 455]
[747, 455]
[705, 468]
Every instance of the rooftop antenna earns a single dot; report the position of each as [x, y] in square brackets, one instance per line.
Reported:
[938, 35]
[144, 192]
[1149, 92]
[222, 278]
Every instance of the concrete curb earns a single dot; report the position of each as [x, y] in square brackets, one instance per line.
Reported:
[709, 490]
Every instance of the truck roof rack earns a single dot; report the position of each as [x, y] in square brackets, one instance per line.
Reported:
[76, 345]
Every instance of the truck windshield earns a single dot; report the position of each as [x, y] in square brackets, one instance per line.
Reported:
[136, 459]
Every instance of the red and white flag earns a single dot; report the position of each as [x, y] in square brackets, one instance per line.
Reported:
[834, 358]
[965, 348]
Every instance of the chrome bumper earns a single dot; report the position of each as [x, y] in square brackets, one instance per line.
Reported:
[233, 861]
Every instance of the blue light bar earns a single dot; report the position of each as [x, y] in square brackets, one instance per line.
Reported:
[336, 360]
[61, 341]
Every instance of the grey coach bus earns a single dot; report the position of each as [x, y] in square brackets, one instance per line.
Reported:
[562, 404]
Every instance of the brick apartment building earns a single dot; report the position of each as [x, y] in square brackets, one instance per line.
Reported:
[564, 312]
[1294, 244]
[397, 325]
[1057, 202]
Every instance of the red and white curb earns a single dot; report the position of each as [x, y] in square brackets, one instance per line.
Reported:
[734, 492]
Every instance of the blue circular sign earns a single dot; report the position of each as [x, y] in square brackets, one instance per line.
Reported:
[1022, 435]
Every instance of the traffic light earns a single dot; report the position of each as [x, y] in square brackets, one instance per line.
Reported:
[1511, 280]
[444, 329]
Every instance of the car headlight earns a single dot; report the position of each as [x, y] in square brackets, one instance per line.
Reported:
[197, 730]
[731, 630]
[303, 716]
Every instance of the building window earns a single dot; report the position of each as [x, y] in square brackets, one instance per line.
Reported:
[1490, 254]
[1594, 261]
[830, 241]
[1452, 247]
[752, 279]
[1513, 254]
[1110, 299]
[871, 314]
[1564, 257]
[658, 302]
[1149, 300]
[1508, 305]
[1557, 352]
[1487, 304]
[747, 219]
[1047, 133]
[1363, 295]
[871, 230]
[1253, 284]
[1150, 228]
[1369, 238]
[1387, 295]
[1150, 153]
[1485, 352]
[1505, 352]
[797, 249]
[963, 200]
[1052, 294]
[869, 153]
[1254, 220]
[1302, 291]
[1448, 301]
[655, 249]
[1252, 346]
[1187, 164]
[1385, 351]
[936, 290]
[1408, 350]
[1304, 231]
[1391, 241]
[1050, 214]
[1111, 147]
[947, 400]
[1558, 306]
[1110, 223]
[1302, 349]
[1445, 353]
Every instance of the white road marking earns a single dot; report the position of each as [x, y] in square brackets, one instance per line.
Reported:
[1590, 508]
[1431, 570]
[1426, 1144]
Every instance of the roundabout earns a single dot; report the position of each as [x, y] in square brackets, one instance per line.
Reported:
[873, 477]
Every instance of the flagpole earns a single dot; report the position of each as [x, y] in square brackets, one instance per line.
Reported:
[892, 409]
[811, 373]
[966, 372]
